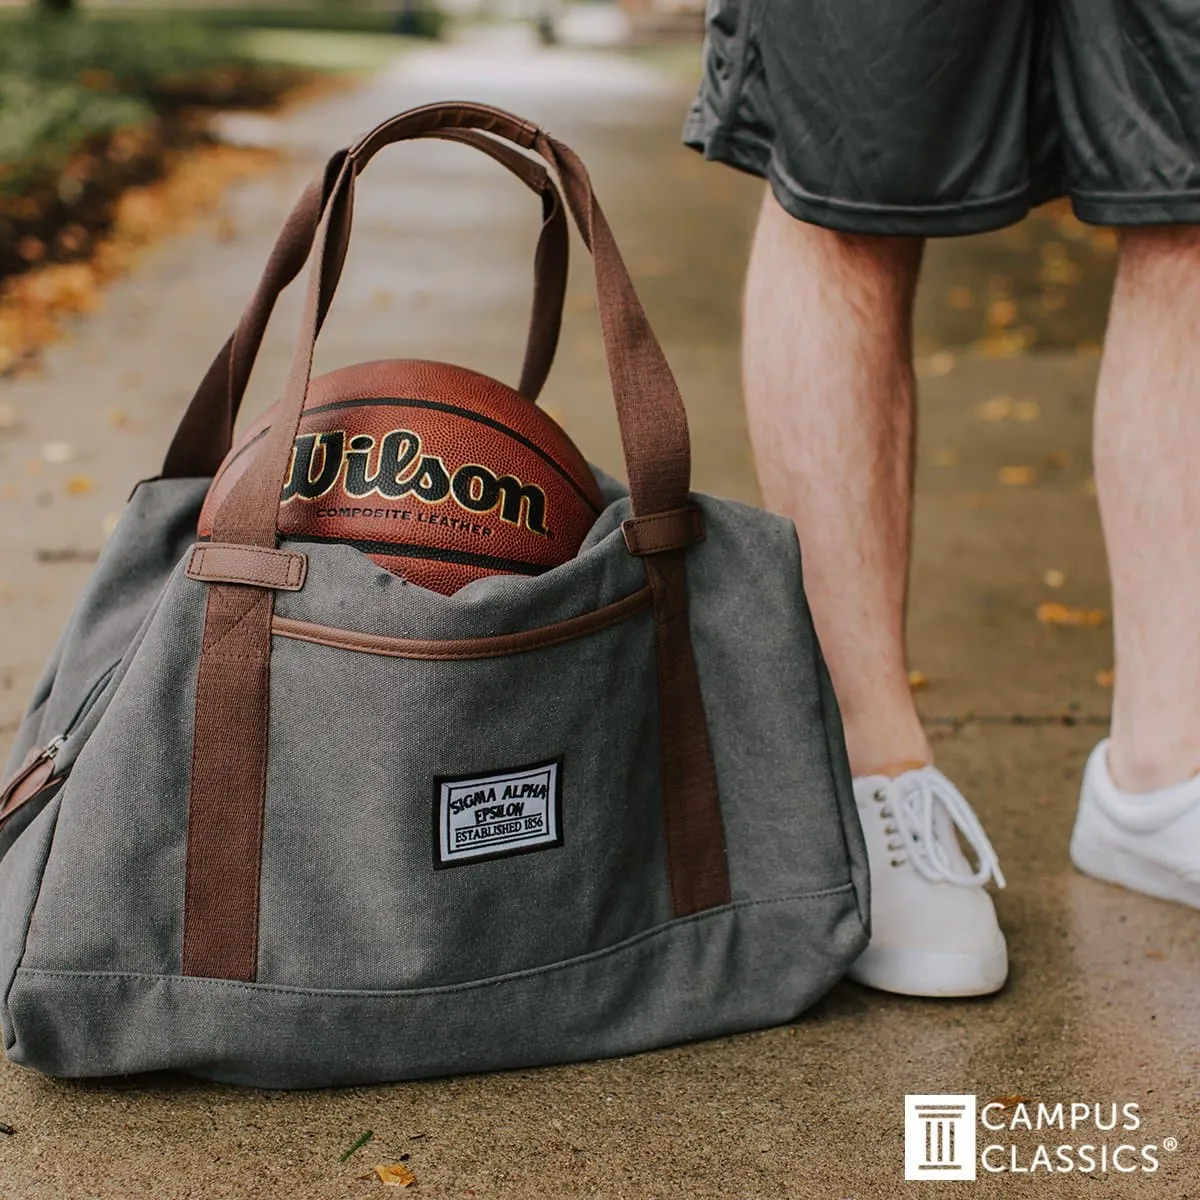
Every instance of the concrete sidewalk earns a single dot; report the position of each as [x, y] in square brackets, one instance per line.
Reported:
[1101, 1007]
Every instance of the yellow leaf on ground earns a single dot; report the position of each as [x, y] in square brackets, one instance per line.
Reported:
[1054, 578]
[1007, 343]
[1001, 313]
[998, 408]
[917, 681]
[1104, 678]
[395, 1175]
[941, 363]
[79, 485]
[1016, 476]
[961, 297]
[1064, 614]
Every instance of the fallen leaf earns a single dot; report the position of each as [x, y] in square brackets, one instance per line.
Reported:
[961, 297]
[941, 363]
[57, 452]
[977, 500]
[1065, 614]
[1001, 313]
[31, 249]
[1054, 578]
[1016, 476]
[1104, 678]
[1156, 955]
[1026, 410]
[917, 681]
[1007, 343]
[395, 1175]
[1011, 1101]
[997, 408]
[945, 457]
[79, 485]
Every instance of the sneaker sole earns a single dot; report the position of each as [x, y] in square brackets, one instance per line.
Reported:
[1114, 865]
[931, 974]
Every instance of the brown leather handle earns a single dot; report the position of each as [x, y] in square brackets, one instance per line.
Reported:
[205, 434]
[650, 410]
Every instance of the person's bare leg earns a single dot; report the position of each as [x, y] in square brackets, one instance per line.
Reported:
[1147, 441]
[827, 345]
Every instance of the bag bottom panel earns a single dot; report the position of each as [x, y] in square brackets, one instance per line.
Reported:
[744, 966]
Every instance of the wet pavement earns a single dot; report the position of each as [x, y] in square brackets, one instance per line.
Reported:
[1101, 1006]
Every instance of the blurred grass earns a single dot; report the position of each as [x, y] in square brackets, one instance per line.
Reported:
[318, 50]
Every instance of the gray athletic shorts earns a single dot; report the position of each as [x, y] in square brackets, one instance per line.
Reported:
[935, 117]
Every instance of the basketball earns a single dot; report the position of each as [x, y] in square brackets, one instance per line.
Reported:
[437, 473]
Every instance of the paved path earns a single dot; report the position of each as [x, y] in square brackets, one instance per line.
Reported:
[1101, 1006]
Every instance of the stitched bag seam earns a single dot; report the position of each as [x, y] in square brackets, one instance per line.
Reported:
[450, 988]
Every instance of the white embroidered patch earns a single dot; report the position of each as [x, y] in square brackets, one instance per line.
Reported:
[490, 816]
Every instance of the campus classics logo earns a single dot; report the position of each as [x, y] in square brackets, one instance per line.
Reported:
[394, 467]
[491, 816]
[939, 1137]
[1021, 1136]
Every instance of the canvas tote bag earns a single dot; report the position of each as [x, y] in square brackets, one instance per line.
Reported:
[221, 847]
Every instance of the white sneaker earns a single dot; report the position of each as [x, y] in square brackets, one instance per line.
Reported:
[933, 927]
[1150, 842]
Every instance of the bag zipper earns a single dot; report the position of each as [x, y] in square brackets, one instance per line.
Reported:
[51, 750]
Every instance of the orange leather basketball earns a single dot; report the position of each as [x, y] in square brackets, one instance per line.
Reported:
[439, 474]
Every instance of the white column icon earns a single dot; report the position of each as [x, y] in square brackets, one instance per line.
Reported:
[939, 1137]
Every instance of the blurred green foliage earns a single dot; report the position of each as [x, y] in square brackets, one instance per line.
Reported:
[67, 80]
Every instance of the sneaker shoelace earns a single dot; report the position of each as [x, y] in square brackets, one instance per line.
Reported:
[910, 801]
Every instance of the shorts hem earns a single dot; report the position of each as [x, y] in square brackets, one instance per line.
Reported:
[742, 152]
[1137, 208]
[909, 220]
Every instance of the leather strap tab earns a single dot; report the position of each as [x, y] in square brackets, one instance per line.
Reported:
[660, 532]
[254, 566]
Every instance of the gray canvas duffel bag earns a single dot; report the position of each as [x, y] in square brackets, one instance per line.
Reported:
[215, 849]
